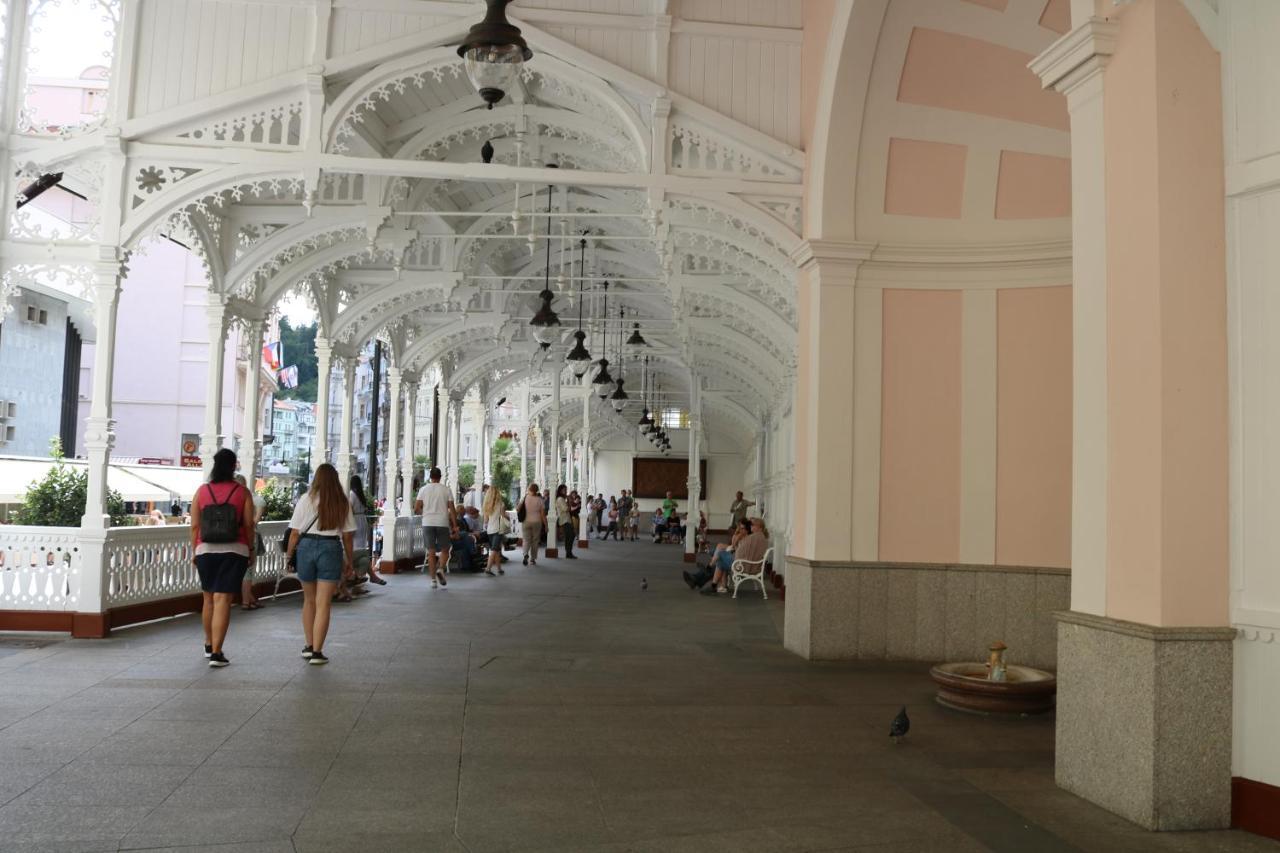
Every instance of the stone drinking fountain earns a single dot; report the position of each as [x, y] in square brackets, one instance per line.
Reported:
[994, 687]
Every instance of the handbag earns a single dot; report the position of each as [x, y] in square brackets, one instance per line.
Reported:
[520, 513]
[291, 560]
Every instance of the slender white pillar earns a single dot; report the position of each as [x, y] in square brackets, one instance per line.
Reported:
[553, 481]
[524, 461]
[250, 450]
[443, 448]
[346, 459]
[410, 436]
[485, 474]
[695, 487]
[324, 361]
[455, 448]
[99, 436]
[389, 471]
[211, 438]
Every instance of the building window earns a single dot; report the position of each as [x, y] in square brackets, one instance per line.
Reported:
[675, 419]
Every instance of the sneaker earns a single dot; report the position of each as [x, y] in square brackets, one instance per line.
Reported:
[571, 556]
[208, 651]
[443, 582]
[526, 559]
[490, 573]
[307, 654]
[500, 571]
[318, 659]
[722, 590]
[218, 660]
[434, 585]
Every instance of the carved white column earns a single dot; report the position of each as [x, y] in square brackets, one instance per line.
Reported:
[410, 437]
[524, 460]
[695, 486]
[346, 459]
[485, 474]
[553, 478]
[99, 436]
[211, 438]
[324, 362]
[455, 447]
[442, 462]
[389, 460]
[251, 433]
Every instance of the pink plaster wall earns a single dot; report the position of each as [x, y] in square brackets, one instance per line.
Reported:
[920, 427]
[925, 178]
[1033, 427]
[1033, 186]
[1056, 16]
[957, 72]
[1167, 399]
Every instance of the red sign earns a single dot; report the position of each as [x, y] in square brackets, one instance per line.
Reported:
[154, 460]
[191, 451]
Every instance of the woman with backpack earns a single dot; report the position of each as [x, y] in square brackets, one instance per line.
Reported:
[320, 539]
[222, 543]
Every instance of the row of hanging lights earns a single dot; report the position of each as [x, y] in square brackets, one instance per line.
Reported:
[494, 53]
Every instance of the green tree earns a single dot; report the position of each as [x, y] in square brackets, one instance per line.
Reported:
[299, 348]
[59, 499]
[506, 465]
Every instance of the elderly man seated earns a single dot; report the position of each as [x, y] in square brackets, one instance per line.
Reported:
[750, 541]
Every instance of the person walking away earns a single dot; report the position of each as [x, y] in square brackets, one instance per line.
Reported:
[222, 540]
[439, 520]
[360, 541]
[248, 600]
[320, 541]
[565, 522]
[531, 522]
[495, 518]
[738, 510]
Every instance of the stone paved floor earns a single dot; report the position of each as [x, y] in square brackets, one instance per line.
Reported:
[558, 708]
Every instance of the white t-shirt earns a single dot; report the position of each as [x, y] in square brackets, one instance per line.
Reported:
[493, 524]
[435, 504]
[305, 512]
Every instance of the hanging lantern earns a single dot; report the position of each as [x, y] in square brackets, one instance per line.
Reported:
[494, 53]
[619, 397]
[546, 321]
[637, 339]
[646, 423]
[579, 359]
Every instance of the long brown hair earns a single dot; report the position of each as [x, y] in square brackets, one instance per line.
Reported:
[331, 501]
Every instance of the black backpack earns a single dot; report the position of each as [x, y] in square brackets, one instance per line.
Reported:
[219, 522]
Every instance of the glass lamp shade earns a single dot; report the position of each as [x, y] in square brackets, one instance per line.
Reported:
[602, 391]
[603, 377]
[494, 53]
[579, 359]
[546, 322]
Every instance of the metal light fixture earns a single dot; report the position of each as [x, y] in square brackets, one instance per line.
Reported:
[637, 339]
[494, 53]
[602, 379]
[619, 397]
[546, 321]
[579, 359]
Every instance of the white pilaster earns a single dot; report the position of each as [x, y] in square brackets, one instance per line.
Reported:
[978, 428]
[211, 438]
[553, 479]
[346, 459]
[1074, 65]
[324, 363]
[411, 431]
[99, 436]
[251, 434]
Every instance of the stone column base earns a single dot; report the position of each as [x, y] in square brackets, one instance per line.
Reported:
[582, 543]
[1144, 720]
[551, 552]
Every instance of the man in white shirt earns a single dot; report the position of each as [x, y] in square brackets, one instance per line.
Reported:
[439, 522]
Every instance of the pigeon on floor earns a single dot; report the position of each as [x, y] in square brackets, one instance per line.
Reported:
[644, 583]
[900, 726]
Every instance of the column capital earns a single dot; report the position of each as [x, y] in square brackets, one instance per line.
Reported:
[841, 253]
[1077, 57]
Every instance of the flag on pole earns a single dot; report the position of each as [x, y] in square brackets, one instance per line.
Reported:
[272, 355]
[289, 377]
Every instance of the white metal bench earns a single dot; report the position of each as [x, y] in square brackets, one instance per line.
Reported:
[750, 570]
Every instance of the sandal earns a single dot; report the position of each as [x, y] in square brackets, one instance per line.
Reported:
[375, 579]
[254, 606]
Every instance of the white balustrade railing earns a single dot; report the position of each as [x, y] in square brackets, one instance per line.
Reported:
[144, 564]
[410, 541]
[40, 568]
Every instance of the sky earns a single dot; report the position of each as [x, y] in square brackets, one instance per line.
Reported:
[68, 36]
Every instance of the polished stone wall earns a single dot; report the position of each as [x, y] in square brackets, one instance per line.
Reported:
[1144, 720]
[879, 611]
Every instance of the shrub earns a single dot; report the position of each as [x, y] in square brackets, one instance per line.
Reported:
[59, 499]
[279, 500]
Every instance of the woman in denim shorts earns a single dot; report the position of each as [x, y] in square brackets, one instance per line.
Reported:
[320, 539]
